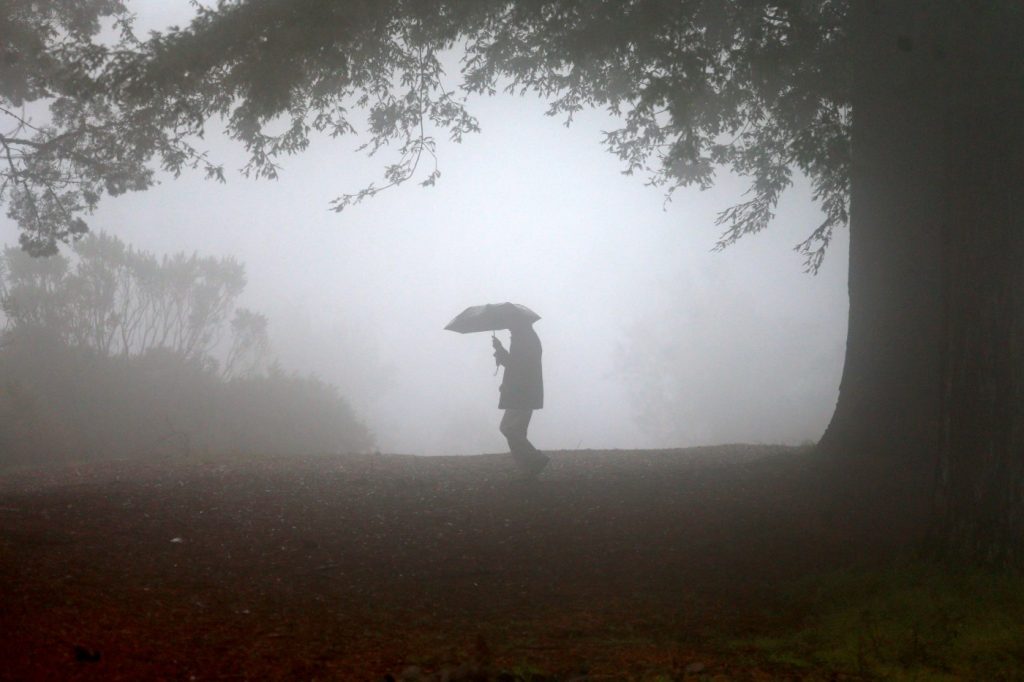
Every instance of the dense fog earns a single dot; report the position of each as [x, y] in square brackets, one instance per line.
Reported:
[650, 339]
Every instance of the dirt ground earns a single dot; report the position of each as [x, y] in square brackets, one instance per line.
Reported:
[615, 565]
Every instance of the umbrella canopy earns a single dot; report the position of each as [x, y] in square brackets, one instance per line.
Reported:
[491, 317]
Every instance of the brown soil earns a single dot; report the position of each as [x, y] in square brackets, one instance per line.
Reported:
[621, 564]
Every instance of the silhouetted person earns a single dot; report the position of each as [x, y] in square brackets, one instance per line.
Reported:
[522, 392]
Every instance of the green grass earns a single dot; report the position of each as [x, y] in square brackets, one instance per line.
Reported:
[915, 621]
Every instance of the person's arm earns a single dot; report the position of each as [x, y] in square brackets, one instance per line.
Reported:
[500, 354]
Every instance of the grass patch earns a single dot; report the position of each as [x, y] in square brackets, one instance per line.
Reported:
[913, 621]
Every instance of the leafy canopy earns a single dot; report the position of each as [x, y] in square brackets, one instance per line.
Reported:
[755, 86]
[66, 135]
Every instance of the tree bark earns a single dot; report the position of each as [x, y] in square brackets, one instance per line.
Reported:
[935, 355]
[890, 392]
[980, 502]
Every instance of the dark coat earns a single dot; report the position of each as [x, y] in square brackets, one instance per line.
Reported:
[522, 385]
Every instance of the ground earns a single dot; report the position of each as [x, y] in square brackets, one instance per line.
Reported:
[614, 565]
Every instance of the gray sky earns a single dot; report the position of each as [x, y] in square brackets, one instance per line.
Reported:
[649, 339]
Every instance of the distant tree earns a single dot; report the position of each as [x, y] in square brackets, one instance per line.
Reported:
[194, 299]
[92, 289]
[904, 114]
[112, 352]
[249, 344]
[114, 299]
[35, 291]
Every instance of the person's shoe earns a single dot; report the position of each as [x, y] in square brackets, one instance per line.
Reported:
[534, 465]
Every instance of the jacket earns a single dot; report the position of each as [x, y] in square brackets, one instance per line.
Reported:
[522, 384]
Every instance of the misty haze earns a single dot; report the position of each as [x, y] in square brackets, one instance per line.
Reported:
[237, 439]
[650, 339]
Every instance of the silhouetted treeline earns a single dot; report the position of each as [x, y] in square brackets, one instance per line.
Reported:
[114, 353]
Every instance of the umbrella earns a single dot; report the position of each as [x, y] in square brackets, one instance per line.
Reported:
[490, 317]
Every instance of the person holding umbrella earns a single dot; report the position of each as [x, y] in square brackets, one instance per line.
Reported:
[522, 385]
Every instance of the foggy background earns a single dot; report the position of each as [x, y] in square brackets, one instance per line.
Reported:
[649, 339]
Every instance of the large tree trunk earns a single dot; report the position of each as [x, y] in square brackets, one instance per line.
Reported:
[890, 394]
[980, 510]
[935, 357]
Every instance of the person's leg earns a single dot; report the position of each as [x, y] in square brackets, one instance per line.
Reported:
[514, 426]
